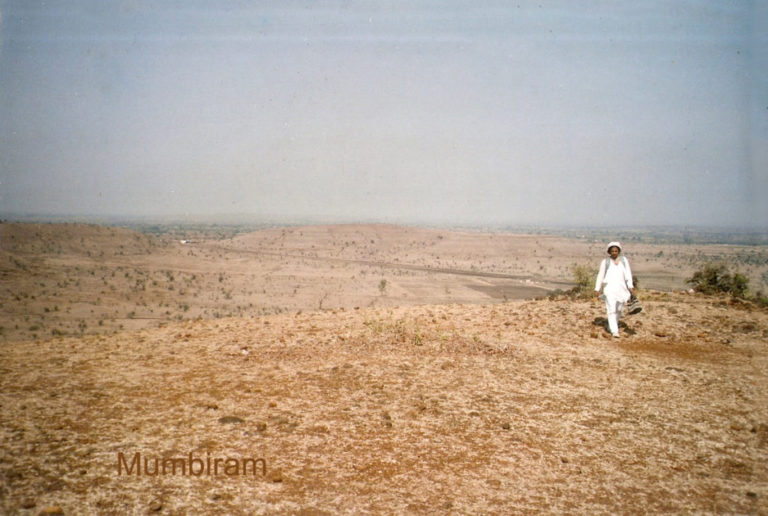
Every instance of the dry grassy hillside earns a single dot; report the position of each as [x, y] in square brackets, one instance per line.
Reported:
[87, 240]
[369, 369]
[514, 408]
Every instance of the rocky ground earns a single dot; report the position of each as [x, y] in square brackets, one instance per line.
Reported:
[523, 407]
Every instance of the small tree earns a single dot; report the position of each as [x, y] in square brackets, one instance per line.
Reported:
[584, 277]
[383, 286]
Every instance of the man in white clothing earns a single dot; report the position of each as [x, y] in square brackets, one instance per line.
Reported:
[615, 280]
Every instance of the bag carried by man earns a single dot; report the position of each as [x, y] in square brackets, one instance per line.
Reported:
[633, 305]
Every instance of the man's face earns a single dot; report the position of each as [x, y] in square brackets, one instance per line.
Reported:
[614, 252]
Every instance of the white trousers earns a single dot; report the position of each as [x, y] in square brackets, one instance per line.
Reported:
[613, 308]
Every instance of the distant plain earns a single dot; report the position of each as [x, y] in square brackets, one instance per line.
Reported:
[74, 279]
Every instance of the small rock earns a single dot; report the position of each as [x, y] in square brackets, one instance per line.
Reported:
[28, 504]
[52, 510]
[230, 419]
[751, 494]
[155, 506]
[506, 426]
[564, 460]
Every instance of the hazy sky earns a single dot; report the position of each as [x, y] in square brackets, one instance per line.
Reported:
[463, 112]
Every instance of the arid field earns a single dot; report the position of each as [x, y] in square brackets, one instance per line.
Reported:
[74, 279]
[370, 369]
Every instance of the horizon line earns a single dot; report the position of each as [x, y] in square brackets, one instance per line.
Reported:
[253, 219]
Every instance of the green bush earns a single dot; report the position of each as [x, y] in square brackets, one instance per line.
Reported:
[584, 277]
[715, 278]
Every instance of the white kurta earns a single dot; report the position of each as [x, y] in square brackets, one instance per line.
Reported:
[616, 280]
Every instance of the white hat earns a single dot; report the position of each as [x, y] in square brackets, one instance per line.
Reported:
[613, 244]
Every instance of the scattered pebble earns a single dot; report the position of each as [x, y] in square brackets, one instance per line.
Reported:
[230, 419]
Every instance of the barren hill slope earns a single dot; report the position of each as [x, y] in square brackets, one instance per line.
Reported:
[47, 240]
[520, 407]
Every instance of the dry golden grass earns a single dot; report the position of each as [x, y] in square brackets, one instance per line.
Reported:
[522, 407]
[409, 404]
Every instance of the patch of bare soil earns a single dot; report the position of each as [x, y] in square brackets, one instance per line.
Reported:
[509, 408]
